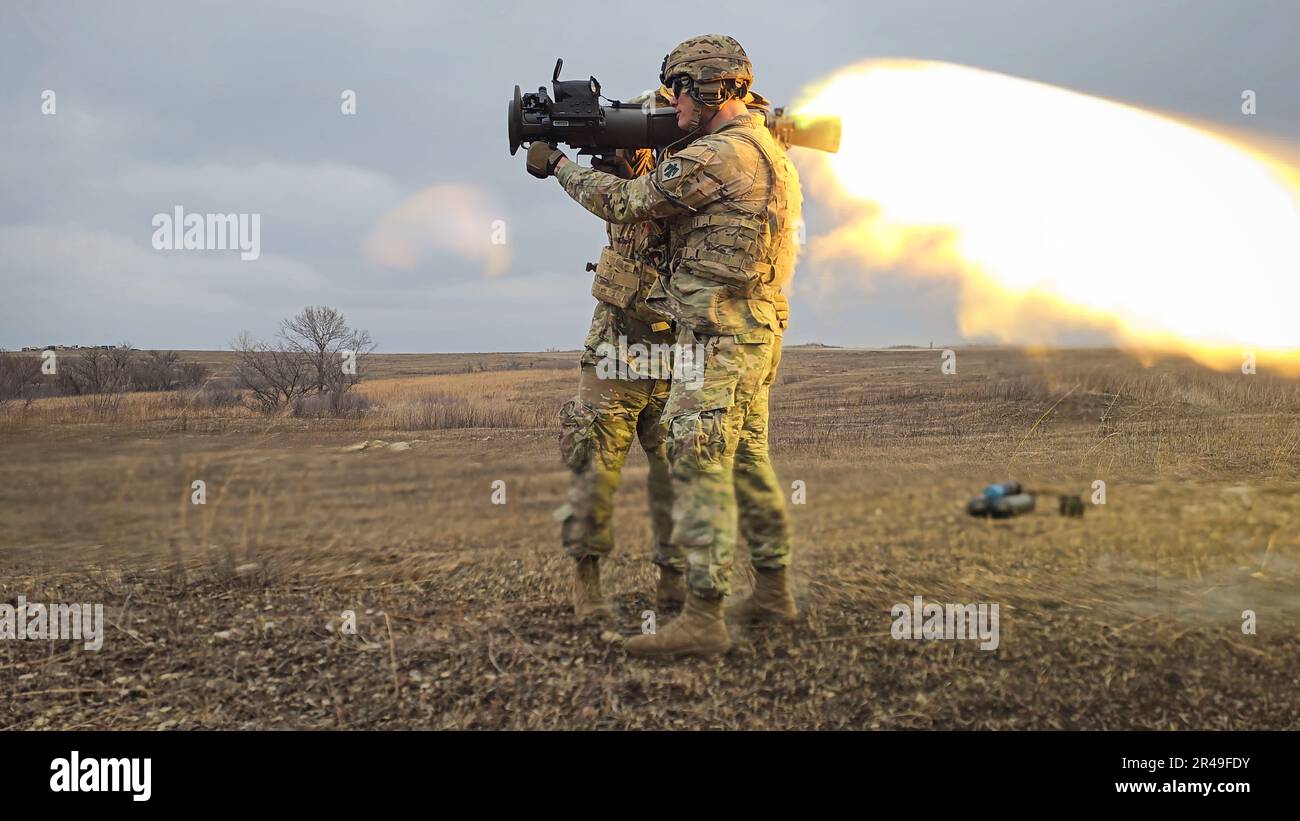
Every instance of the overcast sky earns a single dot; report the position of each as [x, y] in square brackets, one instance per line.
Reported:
[234, 107]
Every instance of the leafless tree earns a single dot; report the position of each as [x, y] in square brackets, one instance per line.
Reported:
[317, 354]
[335, 351]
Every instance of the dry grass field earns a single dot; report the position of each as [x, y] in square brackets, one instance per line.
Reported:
[227, 614]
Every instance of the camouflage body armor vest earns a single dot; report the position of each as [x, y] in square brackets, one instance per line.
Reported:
[759, 245]
[743, 256]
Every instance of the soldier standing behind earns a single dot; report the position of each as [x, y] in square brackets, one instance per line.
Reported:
[731, 201]
[616, 403]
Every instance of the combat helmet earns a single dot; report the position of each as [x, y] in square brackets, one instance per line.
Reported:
[712, 68]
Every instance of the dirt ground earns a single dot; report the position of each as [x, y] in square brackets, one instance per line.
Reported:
[229, 614]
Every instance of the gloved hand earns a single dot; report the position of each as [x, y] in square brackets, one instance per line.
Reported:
[782, 310]
[542, 158]
[613, 164]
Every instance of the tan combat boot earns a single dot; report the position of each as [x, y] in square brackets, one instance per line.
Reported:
[588, 599]
[670, 593]
[698, 631]
[770, 603]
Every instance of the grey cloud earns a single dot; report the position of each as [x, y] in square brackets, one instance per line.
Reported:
[234, 107]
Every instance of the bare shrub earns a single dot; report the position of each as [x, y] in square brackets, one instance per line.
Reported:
[97, 370]
[156, 371]
[122, 369]
[192, 374]
[218, 393]
[275, 376]
[19, 376]
[164, 371]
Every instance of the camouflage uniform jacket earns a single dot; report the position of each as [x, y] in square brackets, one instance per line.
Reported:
[731, 199]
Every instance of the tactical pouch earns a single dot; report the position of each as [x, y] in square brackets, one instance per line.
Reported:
[617, 279]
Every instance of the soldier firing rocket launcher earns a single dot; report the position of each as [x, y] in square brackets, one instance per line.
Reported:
[575, 117]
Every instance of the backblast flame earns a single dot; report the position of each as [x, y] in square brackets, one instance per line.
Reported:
[1055, 209]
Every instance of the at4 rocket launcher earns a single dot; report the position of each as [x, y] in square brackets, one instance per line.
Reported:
[575, 116]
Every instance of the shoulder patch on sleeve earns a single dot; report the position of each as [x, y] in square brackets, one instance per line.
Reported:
[685, 161]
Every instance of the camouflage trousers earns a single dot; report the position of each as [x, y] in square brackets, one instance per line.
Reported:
[596, 432]
[722, 475]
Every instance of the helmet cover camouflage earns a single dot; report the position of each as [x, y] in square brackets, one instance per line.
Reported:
[709, 58]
